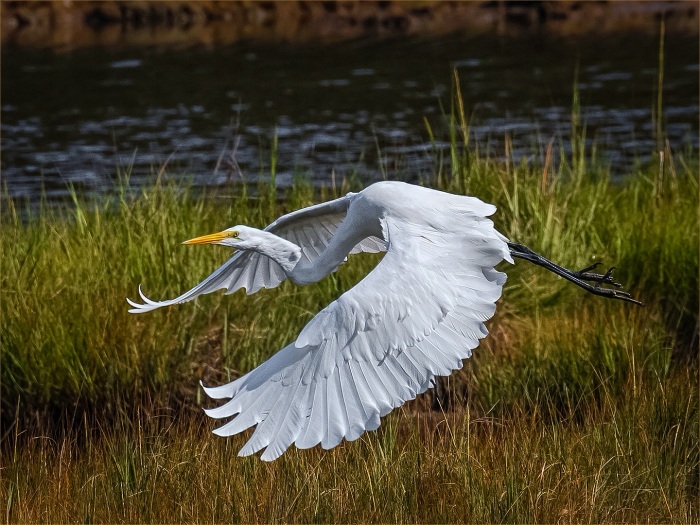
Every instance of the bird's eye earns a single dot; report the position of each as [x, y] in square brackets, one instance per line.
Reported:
[234, 234]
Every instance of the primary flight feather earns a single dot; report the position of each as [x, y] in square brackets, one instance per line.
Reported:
[416, 316]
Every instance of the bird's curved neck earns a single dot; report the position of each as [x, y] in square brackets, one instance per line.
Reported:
[289, 256]
[300, 269]
[283, 252]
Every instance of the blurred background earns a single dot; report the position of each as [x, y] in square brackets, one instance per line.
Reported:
[213, 91]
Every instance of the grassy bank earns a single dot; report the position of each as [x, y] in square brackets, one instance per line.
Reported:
[627, 458]
[574, 408]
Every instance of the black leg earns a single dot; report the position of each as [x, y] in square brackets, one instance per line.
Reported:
[581, 278]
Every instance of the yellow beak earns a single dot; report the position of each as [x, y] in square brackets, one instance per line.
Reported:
[209, 239]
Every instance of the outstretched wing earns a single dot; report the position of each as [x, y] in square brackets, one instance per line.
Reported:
[417, 315]
[310, 228]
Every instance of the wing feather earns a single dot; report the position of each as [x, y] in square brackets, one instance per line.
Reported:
[384, 397]
[315, 423]
[337, 413]
[358, 414]
[265, 273]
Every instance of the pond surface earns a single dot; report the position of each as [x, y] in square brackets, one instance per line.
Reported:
[352, 109]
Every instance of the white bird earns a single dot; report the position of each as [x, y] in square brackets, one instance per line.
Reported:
[416, 316]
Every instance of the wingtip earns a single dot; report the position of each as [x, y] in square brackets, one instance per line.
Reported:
[145, 299]
[271, 454]
[136, 307]
[221, 432]
[224, 391]
[148, 305]
[221, 412]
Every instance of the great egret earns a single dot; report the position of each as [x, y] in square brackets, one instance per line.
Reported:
[416, 316]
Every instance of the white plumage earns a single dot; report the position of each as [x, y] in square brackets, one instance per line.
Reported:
[416, 316]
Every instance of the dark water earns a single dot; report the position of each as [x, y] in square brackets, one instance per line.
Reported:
[73, 118]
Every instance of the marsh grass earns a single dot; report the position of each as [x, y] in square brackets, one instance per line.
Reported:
[573, 409]
[629, 458]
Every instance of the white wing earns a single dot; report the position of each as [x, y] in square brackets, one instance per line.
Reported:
[417, 315]
[310, 228]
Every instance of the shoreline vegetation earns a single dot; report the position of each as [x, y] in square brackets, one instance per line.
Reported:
[572, 409]
[64, 25]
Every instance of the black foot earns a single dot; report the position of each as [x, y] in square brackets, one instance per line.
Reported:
[585, 275]
[581, 278]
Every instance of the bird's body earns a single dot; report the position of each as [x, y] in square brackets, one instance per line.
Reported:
[416, 316]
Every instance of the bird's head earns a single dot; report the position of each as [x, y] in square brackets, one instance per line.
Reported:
[241, 237]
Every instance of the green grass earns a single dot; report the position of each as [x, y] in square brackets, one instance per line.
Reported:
[574, 408]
